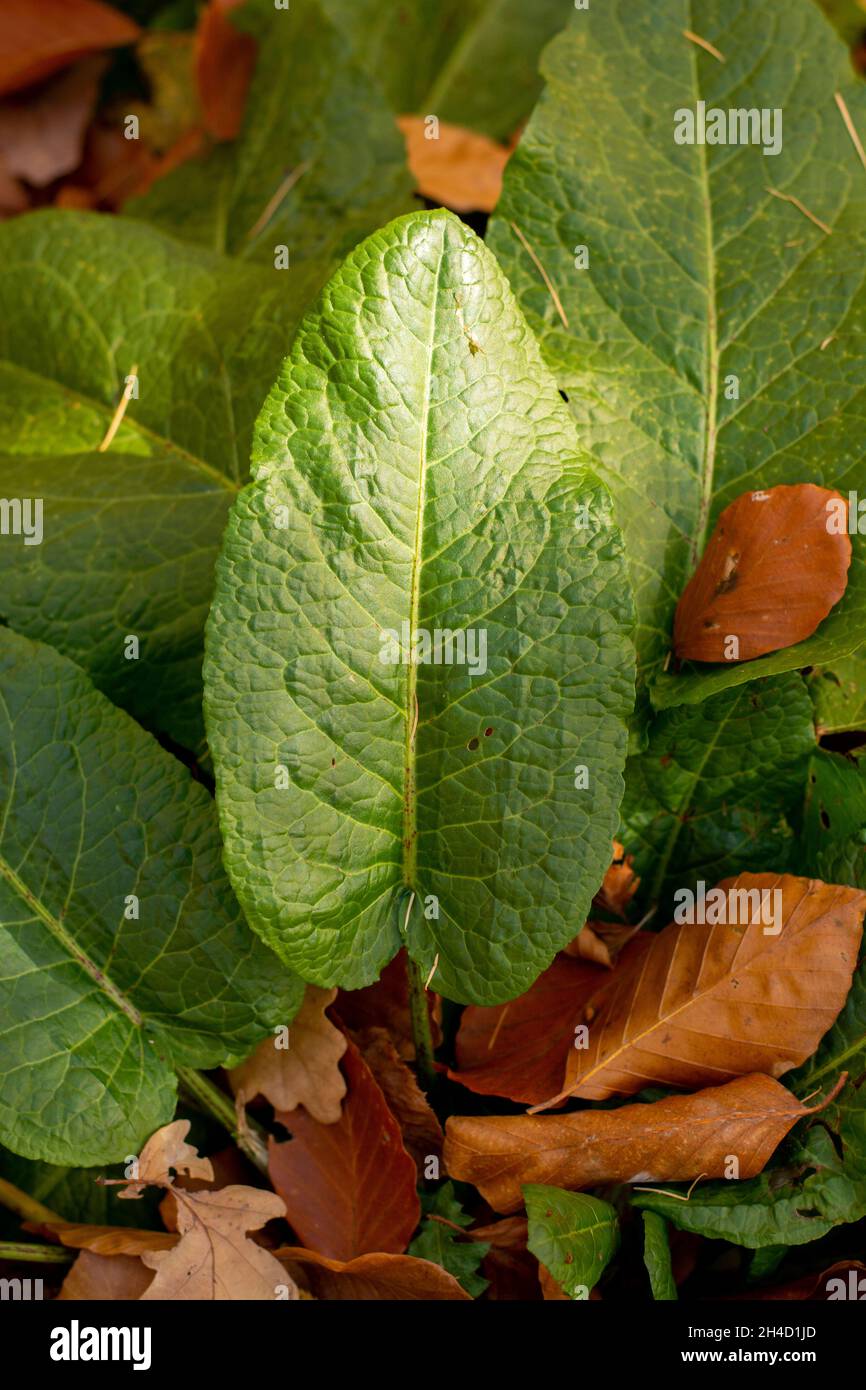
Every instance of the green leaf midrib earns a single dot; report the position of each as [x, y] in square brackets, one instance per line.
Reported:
[80, 398]
[410, 789]
[63, 938]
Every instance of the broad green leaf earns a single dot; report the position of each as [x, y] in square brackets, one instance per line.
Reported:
[443, 1246]
[718, 788]
[834, 823]
[573, 1235]
[76, 1195]
[697, 275]
[98, 824]
[847, 16]
[131, 534]
[657, 1257]
[415, 465]
[474, 62]
[319, 161]
[839, 694]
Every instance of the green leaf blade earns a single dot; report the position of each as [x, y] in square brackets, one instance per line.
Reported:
[573, 1235]
[414, 465]
[99, 1004]
[657, 1257]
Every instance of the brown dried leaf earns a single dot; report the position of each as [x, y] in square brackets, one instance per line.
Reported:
[459, 169]
[106, 1278]
[376, 1276]
[422, 1132]
[349, 1187]
[619, 885]
[214, 1259]
[166, 1150]
[385, 1004]
[672, 1140]
[39, 39]
[307, 1072]
[710, 1002]
[518, 1050]
[224, 63]
[104, 1240]
[42, 136]
[769, 576]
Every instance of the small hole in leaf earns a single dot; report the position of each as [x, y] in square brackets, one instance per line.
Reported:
[488, 731]
[563, 395]
[333, 762]
[825, 819]
[472, 744]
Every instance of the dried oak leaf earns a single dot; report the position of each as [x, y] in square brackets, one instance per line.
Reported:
[457, 168]
[224, 63]
[671, 1140]
[421, 1130]
[307, 1072]
[349, 1187]
[165, 1150]
[375, 1276]
[214, 1259]
[39, 39]
[518, 1050]
[771, 572]
[106, 1278]
[706, 1003]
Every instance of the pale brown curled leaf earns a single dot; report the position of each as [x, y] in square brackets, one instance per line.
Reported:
[455, 167]
[307, 1072]
[167, 1150]
[671, 1140]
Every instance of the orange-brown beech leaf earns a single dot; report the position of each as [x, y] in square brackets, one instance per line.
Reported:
[421, 1130]
[104, 1240]
[42, 135]
[710, 1001]
[224, 62]
[458, 168]
[38, 37]
[167, 1150]
[770, 574]
[385, 1004]
[307, 1072]
[601, 942]
[619, 885]
[672, 1140]
[518, 1050]
[374, 1276]
[214, 1259]
[349, 1188]
[106, 1278]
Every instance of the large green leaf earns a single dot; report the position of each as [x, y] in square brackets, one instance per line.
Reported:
[474, 62]
[718, 788]
[572, 1234]
[834, 823]
[697, 274]
[98, 1004]
[319, 161]
[415, 464]
[839, 694]
[130, 535]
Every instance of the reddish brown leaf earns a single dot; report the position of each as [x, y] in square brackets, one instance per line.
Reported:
[422, 1132]
[349, 1188]
[771, 572]
[375, 1276]
[108, 1278]
[672, 1140]
[224, 63]
[37, 39]
[710, 1002]
[519, 1050]
[386, 1005]
[845, 1280]
[458, 168]
[42, 136]
[307, 1072]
